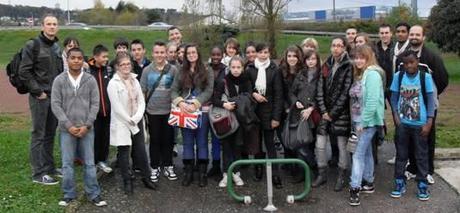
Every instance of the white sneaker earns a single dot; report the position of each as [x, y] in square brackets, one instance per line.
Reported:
[237, 179]
[409, 175]
[223, 182]
[430, 179]
[168, 171]
[104, 167]
[392, 161]
[155, 176]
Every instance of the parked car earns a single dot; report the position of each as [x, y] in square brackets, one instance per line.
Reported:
[159, 26]
[78, 25]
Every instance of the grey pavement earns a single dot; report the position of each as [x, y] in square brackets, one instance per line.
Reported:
[172, 197]
[449, 170]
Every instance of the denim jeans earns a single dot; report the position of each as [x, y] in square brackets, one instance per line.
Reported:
[198, 137]
[44, 125]
[411, 134]
[363, 162]
[215, 148]
[431, 147]
[69, 144]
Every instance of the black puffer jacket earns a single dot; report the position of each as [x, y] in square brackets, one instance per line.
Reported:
[272, 109]
[39, 75]
[332, 96]
[102, 75]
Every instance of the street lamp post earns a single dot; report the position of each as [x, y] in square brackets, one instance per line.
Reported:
[68, 12]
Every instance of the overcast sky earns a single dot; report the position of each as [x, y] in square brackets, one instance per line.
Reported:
[294, 6]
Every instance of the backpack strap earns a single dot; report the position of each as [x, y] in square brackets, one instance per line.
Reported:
[423, 87]
[422, 83]
[35, 49]
[157, 83]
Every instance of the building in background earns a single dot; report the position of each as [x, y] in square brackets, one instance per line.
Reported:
[344, 14]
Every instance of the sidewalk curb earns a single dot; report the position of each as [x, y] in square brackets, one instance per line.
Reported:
[448, 183]
[73, 207]
[447, 154]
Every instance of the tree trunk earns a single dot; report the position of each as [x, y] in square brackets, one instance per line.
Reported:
[271, 29]
[271, 36]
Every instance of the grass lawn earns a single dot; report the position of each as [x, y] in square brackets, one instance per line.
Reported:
[15, 39]
[17, 192]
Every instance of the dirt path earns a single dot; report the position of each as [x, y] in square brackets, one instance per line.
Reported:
[10, 100]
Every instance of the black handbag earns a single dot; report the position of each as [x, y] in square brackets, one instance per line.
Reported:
[296, 135]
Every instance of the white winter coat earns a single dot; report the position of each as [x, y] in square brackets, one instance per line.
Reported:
[121, 128]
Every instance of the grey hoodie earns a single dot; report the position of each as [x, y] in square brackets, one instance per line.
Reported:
[72, 108]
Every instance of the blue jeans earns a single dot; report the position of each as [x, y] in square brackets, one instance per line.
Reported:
[69, 144]
[363, 162]
[197, 136]
[215, 148]
[411, 134]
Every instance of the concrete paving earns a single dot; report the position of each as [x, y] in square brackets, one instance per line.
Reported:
[172, 197]
[450, 172]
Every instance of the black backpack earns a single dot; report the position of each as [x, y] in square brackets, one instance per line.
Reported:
[12, 69]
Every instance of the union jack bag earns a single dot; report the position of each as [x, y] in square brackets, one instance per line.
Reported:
[184, 119]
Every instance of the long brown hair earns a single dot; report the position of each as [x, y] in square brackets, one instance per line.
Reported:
[284, 66]
[197, 78]
[366, 52]
[309, 54]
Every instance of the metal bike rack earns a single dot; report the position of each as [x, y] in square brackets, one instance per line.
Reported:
[270, 207]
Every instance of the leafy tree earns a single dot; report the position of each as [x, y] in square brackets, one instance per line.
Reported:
[444, 25]
[401, 13]
[270, 11]
[152, 15]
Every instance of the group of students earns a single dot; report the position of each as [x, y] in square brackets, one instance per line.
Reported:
[98, 103]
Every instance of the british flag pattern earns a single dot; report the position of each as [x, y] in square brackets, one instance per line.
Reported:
[183, 119]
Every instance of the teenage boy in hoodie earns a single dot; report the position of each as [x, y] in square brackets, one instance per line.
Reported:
[75, 103]
[102, 73]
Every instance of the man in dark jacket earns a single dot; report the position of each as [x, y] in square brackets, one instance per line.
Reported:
[138, 57]
[441, 80]
[102, 73]
[384, 53]
[333, 102]
[39, 75]
[401, 45]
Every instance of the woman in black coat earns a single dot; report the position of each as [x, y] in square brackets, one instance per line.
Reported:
[268, 91]
[234, 85]
[290, 65]
[333, 102]
[302, 96]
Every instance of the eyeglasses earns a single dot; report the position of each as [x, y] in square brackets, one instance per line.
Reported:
[124, 64]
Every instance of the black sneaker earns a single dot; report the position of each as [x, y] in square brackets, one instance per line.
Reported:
[367, 187]
[98, 201]
[65, 202]
[354, 197]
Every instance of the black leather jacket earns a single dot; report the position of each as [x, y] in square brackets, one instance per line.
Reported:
[39, 74]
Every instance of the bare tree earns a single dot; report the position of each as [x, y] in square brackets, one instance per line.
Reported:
[270, 12]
